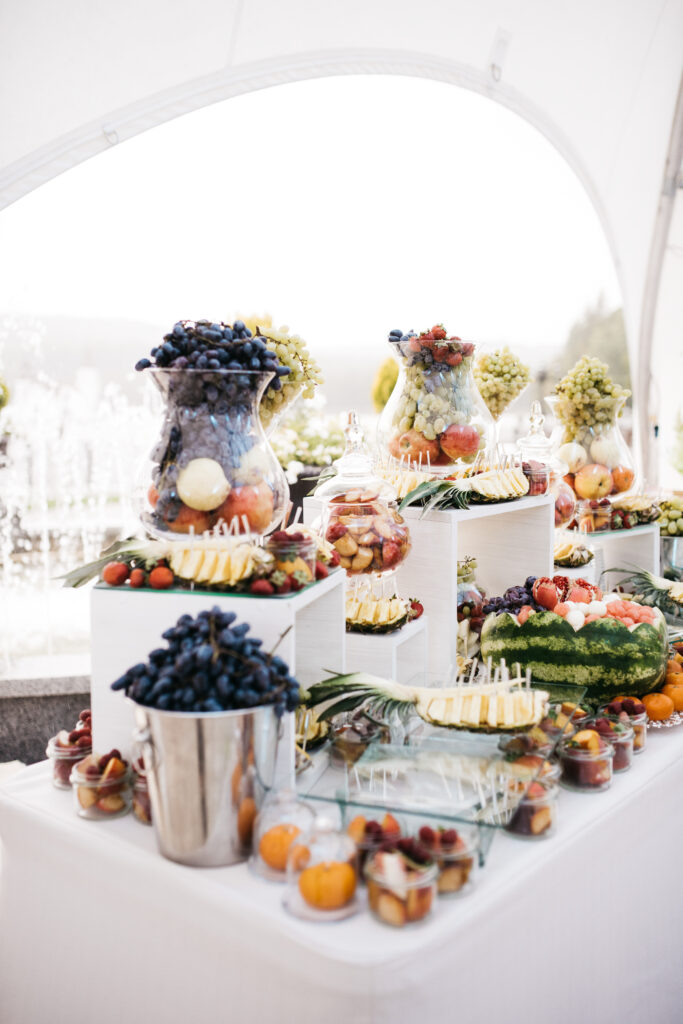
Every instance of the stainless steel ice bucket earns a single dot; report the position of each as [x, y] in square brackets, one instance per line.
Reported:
[208, 774]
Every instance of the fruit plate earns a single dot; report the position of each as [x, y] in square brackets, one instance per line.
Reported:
[674, 719]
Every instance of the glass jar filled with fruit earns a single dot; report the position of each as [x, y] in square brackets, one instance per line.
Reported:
[630, 711]
[278, 827]
[360, 517]
[102, 786]
[471, 596]
[620, 734]
[322, 874]
[587, 405]
[212, 467]
[435, 420]
[456, 855]
[535, 816]
[586, 759]
[594, 515]
[66, 749]
[401, 880]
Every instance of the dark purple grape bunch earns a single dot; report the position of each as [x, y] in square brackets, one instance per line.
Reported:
[210, 664]
[203, 345]
[513, 599]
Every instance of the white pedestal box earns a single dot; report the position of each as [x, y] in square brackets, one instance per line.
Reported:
[510, 540]
[624, 549]
[127, 624]
[400, 656]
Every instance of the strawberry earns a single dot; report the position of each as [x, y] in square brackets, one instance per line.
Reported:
[335, 558]
[321, 571]
[391, 552]
[138, 578]
[454, 358]
[335, 531]
[115, 573]
[299, 580]
[264, 588]
[467, 348]
[439, 332]
[416, 608]
[161, 578]
[281, 581]
[441, 353]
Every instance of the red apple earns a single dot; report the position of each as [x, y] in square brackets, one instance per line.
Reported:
[254, 502]
[593, 481]
[414, 446]
[458, 441]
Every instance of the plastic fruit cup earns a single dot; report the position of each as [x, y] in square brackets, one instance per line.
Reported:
[63, 760]
[585, 770]
[638, 724]
[99, 800]
[142, 808]
[294, 555]
[536, 813]
[407, 903]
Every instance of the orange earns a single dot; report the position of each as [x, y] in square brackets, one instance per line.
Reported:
[673, 679]
[329, 885]
[658, 706]
[275, 843]
[672, 666]
[675, 691]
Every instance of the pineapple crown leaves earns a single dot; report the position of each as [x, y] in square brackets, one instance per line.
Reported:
[121, 550]
[438, 494]
[348, 692]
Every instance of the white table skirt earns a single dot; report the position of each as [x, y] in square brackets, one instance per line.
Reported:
[97, 928]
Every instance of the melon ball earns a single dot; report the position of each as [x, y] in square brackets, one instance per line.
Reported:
[596, 608]
[202, 485]
[575, 618]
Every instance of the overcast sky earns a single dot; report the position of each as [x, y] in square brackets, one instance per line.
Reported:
[345, 206]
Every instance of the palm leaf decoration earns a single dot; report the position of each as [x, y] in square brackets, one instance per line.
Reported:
[438, 494]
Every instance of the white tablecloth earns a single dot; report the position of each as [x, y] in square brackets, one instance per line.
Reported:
[585, 927]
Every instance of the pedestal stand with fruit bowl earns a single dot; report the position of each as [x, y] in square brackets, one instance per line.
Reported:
[307, 626]
[510, 540]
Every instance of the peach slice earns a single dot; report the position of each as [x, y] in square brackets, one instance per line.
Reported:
[86, 796]
[114, 769]
[111, 804]
[356, 828]
[589, 740]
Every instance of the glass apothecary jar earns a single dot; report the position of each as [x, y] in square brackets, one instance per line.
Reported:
[435, 420]
[212, 467]
[278, 827]
[360, 516]
[544, 470]
[322, 874]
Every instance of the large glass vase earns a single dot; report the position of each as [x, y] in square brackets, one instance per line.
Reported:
[435, 420]
[598, 460]
[212, 468]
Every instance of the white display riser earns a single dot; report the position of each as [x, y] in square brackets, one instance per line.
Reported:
[624, 549]
[589, 572]
[127, 624]
[400, 656]
[510, 540]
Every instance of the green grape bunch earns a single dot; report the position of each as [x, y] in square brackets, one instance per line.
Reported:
[500, 377]
[292, 351]
[588, 399]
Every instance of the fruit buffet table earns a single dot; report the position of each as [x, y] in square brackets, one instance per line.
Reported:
[585, 925]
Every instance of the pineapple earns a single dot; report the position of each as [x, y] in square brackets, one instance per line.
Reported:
[486, 707]
[368, 614]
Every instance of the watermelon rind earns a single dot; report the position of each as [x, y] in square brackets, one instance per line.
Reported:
[605, 656]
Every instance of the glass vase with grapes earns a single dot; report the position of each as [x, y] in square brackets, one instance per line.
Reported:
[212, 468]
[436, 419]
[587, 406]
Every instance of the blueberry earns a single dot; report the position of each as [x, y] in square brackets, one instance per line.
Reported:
[142, 364]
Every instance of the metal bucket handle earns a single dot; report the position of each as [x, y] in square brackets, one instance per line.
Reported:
[143, 737]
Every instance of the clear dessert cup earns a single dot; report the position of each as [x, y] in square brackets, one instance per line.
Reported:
[280, 823]
[536, 741]
[533, 766]
[63, 760]
[638, 722]
[322, 874]
[369, 833]
[536, 814]
[595, 515]
[400, 897]
[99, 799]
[587, 771]
[456, 855]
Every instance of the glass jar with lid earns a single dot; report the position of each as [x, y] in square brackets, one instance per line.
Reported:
[360, 517]
[544, 470]
[322, 874]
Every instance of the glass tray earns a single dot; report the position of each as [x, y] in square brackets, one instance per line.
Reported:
[435, 776]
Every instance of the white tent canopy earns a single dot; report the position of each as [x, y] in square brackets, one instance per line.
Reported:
[602, 81]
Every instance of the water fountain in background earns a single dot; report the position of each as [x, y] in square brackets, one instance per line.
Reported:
[68, 457]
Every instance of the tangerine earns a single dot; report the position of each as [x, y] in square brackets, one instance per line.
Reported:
[658, 706]
[675, 691]
[328, 885]
[673, 667]
[275, 843]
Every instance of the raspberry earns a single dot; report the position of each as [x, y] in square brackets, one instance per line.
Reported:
[449, 837]
[427, 835]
